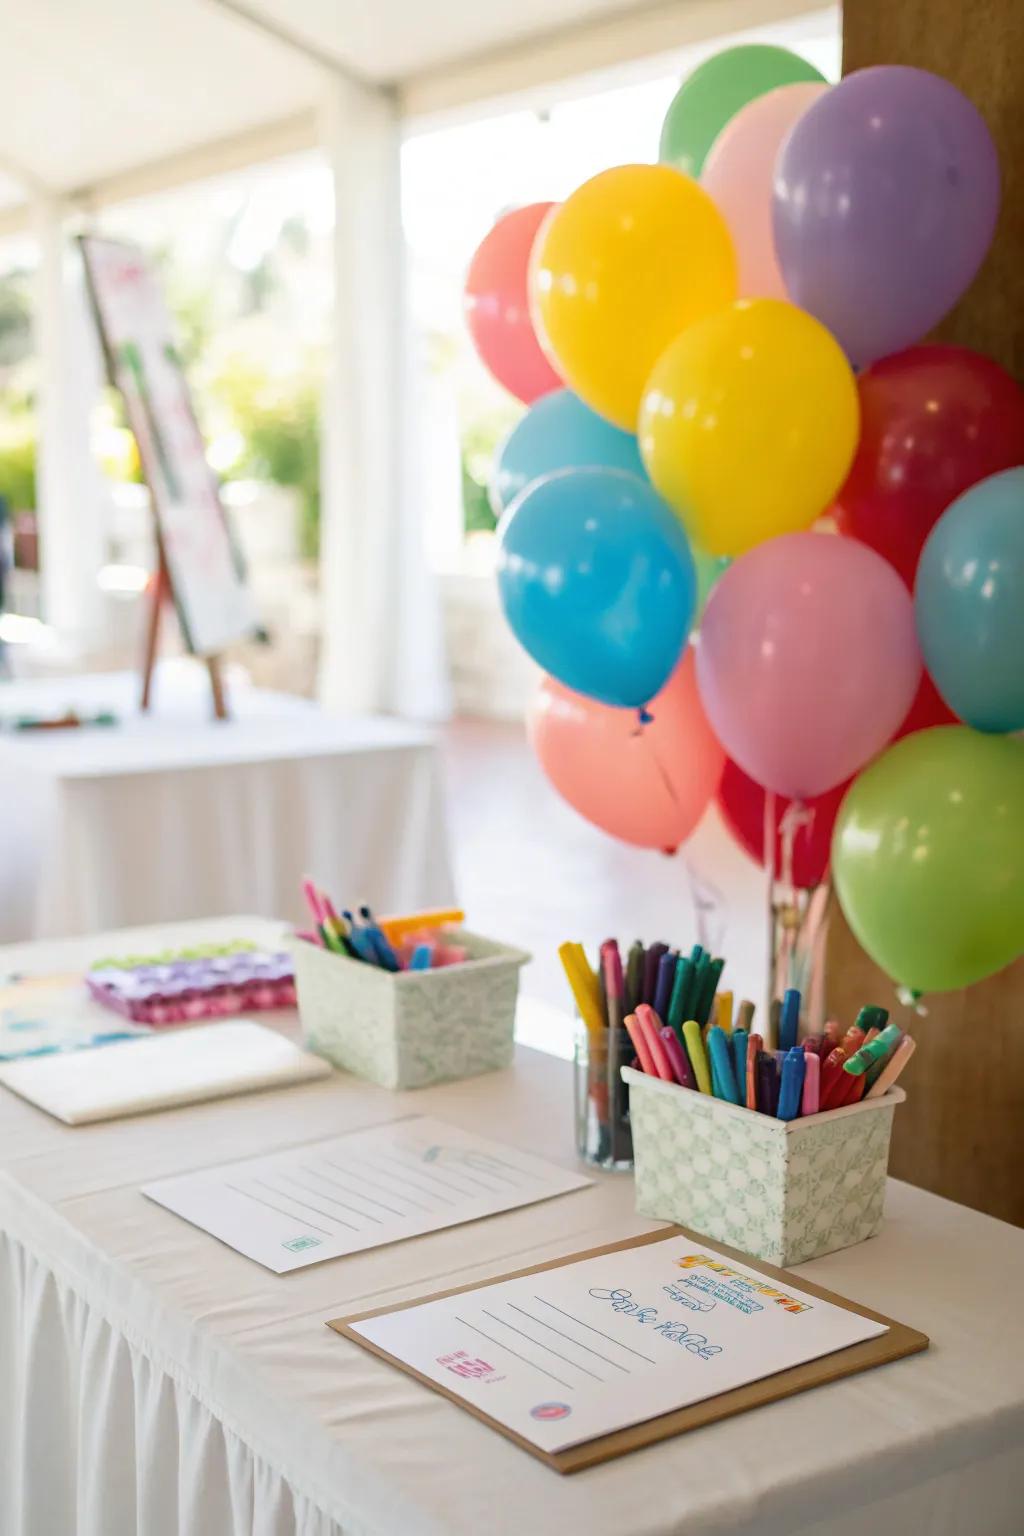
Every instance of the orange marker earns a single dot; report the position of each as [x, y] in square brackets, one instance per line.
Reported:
[754, 1045]
[649, 1025]
[396, 928]
[640, 1045]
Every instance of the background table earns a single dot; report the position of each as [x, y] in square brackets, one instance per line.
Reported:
[153, 1381]
[175, 815]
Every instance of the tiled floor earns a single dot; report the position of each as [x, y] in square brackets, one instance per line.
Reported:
[532, 872]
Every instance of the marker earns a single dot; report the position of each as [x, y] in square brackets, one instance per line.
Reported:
[663, 985]
[832, 1079]
[893, 1067]
[810, 1098]
[583, 984]
[874, 1053]
[723, 1078]
[360, 940]
[723, 1011]
[853, 1040]
[767, 1084]
[632, 1026]
[682, 990]
[746, 1016]
[739, 1041]
[754, 1045]
[652, 961]
[792, 1084]
[399, 928]
[650, 1025]
[677, 1058]
[709, 987]
[634, 976]
[421, 957]
[386, 955]
[789, 1019]
[695, 1050]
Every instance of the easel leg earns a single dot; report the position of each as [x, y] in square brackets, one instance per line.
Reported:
[158, 593]
[220, 708]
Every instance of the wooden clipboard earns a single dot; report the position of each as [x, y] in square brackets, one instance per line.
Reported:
[894, 1345]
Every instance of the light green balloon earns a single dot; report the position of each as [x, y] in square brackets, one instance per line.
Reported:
[715, 92]
[928, 857]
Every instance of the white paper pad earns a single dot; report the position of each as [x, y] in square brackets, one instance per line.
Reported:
[182, 1066]
[572, 1353]
[329, 1198]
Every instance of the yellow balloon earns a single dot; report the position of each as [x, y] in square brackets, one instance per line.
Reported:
[634, 256]
[749, 423]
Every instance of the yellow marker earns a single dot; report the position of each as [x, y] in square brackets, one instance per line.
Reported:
[724, 1002]
[584, 985]
[397, 928]
[695, 1050]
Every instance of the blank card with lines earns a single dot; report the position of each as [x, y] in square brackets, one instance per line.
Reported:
[330, 1198]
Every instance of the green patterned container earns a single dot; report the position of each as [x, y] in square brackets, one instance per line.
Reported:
[412, 1028]
[783, 1191]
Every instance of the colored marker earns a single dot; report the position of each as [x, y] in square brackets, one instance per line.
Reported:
[650, 1025]
[663, 985]
[386, 955]
[682, 990]
[832, 1079]
[640, 1045]
[791, 1084]
[754, 1045]
[810, 1098]
[789, 1019]
[745, 1018]
[677, 1058]
[421, 957]
[723, 1078]
[767, 1083]
[740, 1040]
[695, 1050]
[893, 1067]
[634, 976]
[723, 1011]
[652, 961]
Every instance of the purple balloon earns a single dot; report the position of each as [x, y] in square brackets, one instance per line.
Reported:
[886, 199]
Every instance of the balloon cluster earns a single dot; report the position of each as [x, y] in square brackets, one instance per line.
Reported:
[719, 351]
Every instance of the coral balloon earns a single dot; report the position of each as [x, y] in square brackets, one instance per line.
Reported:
[934, 421]
[742, 804]
[497, 307]
[597, 582]
[559, 432]
[808, 661]
[646, 784]
[749, 423]
[632, 258]
[740, 175]
[969, 602]
[717, 90]
[886, 197]
[928, 857]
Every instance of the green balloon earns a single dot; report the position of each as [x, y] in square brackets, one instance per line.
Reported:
[715, 92]
[709, 568]
[928, 857]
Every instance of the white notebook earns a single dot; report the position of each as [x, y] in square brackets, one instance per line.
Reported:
[184, 1066]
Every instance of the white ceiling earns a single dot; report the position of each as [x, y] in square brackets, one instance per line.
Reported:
[96, 89]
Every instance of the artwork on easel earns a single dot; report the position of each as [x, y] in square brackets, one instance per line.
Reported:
[199, 569]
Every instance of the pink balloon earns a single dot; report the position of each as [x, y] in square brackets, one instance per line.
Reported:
[739, 173]
[646, 784]
[808, 660]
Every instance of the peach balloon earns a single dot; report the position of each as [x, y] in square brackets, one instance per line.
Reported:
[645, 783]
[739, 174]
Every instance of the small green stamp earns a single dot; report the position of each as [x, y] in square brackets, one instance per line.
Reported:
[299, 1244]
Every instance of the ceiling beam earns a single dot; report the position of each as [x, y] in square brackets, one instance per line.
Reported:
[252, 16]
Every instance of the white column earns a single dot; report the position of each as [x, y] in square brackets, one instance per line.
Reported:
[382, 645]
[70, 494]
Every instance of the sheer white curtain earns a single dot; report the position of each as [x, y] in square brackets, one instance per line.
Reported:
[382, 638]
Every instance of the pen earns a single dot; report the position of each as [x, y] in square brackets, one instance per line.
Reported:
[893, 1067]
[723, 1078]
[695, 1050]
[791, 1084]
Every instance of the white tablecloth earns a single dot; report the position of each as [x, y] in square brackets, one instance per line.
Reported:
[174, 814]
[154, 1382]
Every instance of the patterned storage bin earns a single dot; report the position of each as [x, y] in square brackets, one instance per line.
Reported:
[406, 1029]
[782, 1190]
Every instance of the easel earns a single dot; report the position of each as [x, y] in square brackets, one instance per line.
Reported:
[160, 593]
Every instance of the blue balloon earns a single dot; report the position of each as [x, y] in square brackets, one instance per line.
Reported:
[559, 432]
[598, 583]
[969, 603]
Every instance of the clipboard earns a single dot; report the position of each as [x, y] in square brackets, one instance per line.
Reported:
[899, 1342]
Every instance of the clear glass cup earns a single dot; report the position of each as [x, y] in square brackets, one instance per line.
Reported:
[601, 1098]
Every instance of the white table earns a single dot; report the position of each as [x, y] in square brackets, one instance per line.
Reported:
[175, 814]
[153, 1381]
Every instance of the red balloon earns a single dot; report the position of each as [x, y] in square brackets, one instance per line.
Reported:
[498, 309]
[934, 421]
[741, 802]
[929, 708]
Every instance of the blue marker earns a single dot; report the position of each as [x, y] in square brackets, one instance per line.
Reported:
[789, 1019]
[361, 940]
[385, 954]
[422, 956]
[663, 985]
[723, 1078]
[792, 1085]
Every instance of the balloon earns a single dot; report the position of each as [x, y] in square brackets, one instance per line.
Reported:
[928, 857]
[559, 432]
[748, 424]
[742, 802]
[808, 661]
[709, 568]
[597, 582]
[715, 92]
[886, 197]
[646, 784]
[934, 420]
[497, 307]
[632, 258]
[969, 601]
[740, 175]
